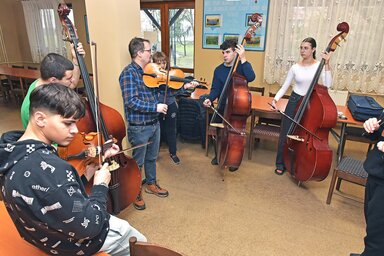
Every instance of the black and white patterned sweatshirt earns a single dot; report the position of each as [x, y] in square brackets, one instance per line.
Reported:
[46, 199]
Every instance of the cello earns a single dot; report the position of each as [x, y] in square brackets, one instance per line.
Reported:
[231, 138]
[307, 155]
[125, 181]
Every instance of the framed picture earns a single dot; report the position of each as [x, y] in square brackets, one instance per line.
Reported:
[212, 40]
[231, 19]
[213, 21]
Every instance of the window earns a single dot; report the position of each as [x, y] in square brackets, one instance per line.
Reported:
[170, 28]
[43, 28]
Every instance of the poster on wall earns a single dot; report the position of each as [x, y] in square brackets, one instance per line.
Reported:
[226, 19]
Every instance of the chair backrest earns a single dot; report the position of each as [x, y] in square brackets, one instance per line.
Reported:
[148, 249]
[17, 66]
[11, 242]
[261, 90]
[271, 94]
[339, 97]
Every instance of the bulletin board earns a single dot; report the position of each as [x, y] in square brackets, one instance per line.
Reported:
[227, 19]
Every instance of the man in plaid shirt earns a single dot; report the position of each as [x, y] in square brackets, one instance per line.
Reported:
[141, 108]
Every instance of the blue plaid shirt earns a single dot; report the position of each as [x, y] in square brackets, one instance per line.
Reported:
[140, 102]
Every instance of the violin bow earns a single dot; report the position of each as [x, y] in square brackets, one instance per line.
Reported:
[166, 83]
[297, 123]
[96, 102]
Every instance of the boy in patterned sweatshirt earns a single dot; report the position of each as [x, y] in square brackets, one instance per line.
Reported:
[44, 194]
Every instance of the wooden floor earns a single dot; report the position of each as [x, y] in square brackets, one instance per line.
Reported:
[252, 212]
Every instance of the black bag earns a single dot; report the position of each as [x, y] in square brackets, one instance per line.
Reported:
[190, 120]
[364, 107]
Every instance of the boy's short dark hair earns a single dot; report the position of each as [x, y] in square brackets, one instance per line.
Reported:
[229, 43]
[54, 65]
[57, 99]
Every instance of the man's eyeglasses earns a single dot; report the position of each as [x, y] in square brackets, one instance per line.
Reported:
[148, 50]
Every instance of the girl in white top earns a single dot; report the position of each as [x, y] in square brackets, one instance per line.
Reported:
[302, 73]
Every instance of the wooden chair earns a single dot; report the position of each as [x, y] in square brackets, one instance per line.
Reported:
[29, 81]
[353, 133]
[5, 89]
[339, 98]
[15, 84]
[348, 169]
[266, 127]
[148, 249]
[271, 94]
[10, 241]
[210, 131]
[260, 90]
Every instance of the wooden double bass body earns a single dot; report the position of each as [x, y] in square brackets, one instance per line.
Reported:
[125, 181]
[307, 155]
[311, 159]
[231, 144]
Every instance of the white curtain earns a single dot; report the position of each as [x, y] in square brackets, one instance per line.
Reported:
[357, 65]
[43, 28]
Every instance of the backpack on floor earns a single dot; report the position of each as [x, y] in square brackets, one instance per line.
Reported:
[189, 120]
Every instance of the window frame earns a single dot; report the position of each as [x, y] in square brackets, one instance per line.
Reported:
[164, 17]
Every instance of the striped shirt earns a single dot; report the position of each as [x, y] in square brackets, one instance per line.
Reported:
[140, 101]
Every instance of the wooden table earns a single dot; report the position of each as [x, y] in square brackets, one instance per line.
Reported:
[20, 73]
[261, 108]
[344, 122]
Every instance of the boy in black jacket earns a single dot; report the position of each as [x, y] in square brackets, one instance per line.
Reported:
[374, 192]
[44, 194]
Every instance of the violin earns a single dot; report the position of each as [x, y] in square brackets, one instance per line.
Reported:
[154, 76]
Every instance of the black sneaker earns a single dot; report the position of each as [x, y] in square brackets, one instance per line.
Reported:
[175, 159]
[233, 169]
[214, 161]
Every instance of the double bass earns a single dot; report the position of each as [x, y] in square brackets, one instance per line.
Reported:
[231, 137]
[307, 155]
[125, 181]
